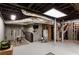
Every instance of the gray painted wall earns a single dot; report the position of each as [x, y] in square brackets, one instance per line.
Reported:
[11, 32]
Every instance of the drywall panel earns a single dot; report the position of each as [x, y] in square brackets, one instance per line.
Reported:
[12, 32]
[1, 29]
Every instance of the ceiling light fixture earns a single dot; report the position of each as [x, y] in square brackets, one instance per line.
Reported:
[13, 17]
[55, 13]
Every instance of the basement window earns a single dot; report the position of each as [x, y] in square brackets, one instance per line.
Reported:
[55, 13]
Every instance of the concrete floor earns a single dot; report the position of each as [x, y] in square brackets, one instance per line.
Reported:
[38, 48]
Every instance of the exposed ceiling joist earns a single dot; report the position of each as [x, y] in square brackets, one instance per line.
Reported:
[66, 7]
[37, 5]
[48, 8]
[61, 5]
[30, 5]
[42, 6]
[33, 11]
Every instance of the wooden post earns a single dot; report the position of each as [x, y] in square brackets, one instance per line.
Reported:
[49, 33]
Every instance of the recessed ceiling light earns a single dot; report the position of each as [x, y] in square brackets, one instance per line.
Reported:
[13, 17]
[55, 13]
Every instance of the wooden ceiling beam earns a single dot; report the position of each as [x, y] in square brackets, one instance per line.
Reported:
[48, 8]
[62, 5]
[9, 6]
[66, 7]
[30, 5]
[42, 6]
[37, 6]
[11, 10]
[69, 17]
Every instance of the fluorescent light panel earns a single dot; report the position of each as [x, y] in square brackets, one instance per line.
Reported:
[55, 13]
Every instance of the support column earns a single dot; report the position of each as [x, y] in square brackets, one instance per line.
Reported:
[62, 35]
[55, 31]
[62, 32]
[49, 33]
[1, 29]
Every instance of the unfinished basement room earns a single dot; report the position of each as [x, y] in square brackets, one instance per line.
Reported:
[39, 29]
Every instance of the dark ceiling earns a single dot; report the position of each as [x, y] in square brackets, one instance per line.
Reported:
[39, 8]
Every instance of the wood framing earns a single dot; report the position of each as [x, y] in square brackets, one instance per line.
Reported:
[49, 33]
